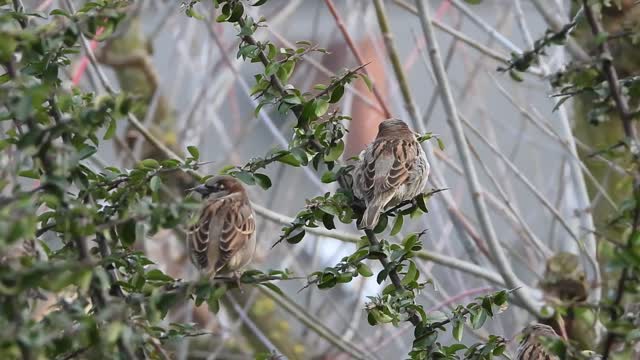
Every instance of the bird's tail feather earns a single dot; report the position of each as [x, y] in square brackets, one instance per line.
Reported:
[370, 217]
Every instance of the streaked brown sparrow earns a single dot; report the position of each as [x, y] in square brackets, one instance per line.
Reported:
[531, 347]
[224, 235]
[392, 169]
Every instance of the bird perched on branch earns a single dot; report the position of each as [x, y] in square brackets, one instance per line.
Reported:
[224, 235]
[531, 346]
[392, 169]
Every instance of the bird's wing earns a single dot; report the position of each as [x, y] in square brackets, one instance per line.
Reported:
[237, 228]
[198, 233]
[388, 165]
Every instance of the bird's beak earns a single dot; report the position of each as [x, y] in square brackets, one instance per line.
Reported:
[201, 189]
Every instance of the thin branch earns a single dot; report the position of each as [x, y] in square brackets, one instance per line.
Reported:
[356, 53]
[485, 26]
[19, 8]
[556, 23]
[475, 189]
[313, 323]
[612, 78]
[632, 140]
[393, 274]
[324, 70]
[251, 325]
[438, 258]
[392, 52]
[465, 39]
[338, 81]
[542, 248]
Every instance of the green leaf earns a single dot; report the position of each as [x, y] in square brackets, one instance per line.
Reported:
[271, 68]
[157, 275]
[421, 202]
[300, 155]
[500, 298]
[487, 306]
[296, 238]
[285, 71]
[292, 99]
[245, 176]
[560, 102]
[86, 151]
[364, 270]
[382, 275]
[273, 287]
[515, 75]
[258, 108]
[60, 12]
[155, 183]
[226, 169]
[335, 152]
[336, 94]
[601, 38]
[397, 225]
[327, 281]
[499, 350]
[127, 232]
[457, 330]
[478, 319]
[328, 177]
[112, 332]
[31, 173]
[367, 81]
[226, 12]
[344, 278]
[214, 305]
[371, 319]
[111, 130]
[170, 163]
[218, 292]
[289, 159]
[440, 144]
[272, 51]
[411, 275]
[410, 242]
[195, 153]
[308, 113]
[382, 224]
[237, 12]
[262, 180]
[327, 221]
[321, 107]
[150, 163]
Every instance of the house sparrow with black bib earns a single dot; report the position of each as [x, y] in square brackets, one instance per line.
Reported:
[223, 238]
[392, 169]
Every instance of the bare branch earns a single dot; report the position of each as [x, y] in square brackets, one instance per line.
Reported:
[497, 253]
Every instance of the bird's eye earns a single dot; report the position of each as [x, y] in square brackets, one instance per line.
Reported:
[220, 186]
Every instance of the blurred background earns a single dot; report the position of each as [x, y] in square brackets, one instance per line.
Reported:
[540, 194]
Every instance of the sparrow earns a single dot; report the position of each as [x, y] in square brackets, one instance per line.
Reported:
[531, 348]
[392, 169]
[224, 235]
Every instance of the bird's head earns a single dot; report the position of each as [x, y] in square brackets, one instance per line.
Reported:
[219, 186]
[394, 128]
[538, 329]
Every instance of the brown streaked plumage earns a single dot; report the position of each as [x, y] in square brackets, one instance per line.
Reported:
[392, 169]
[531, 347]
[224, 235]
